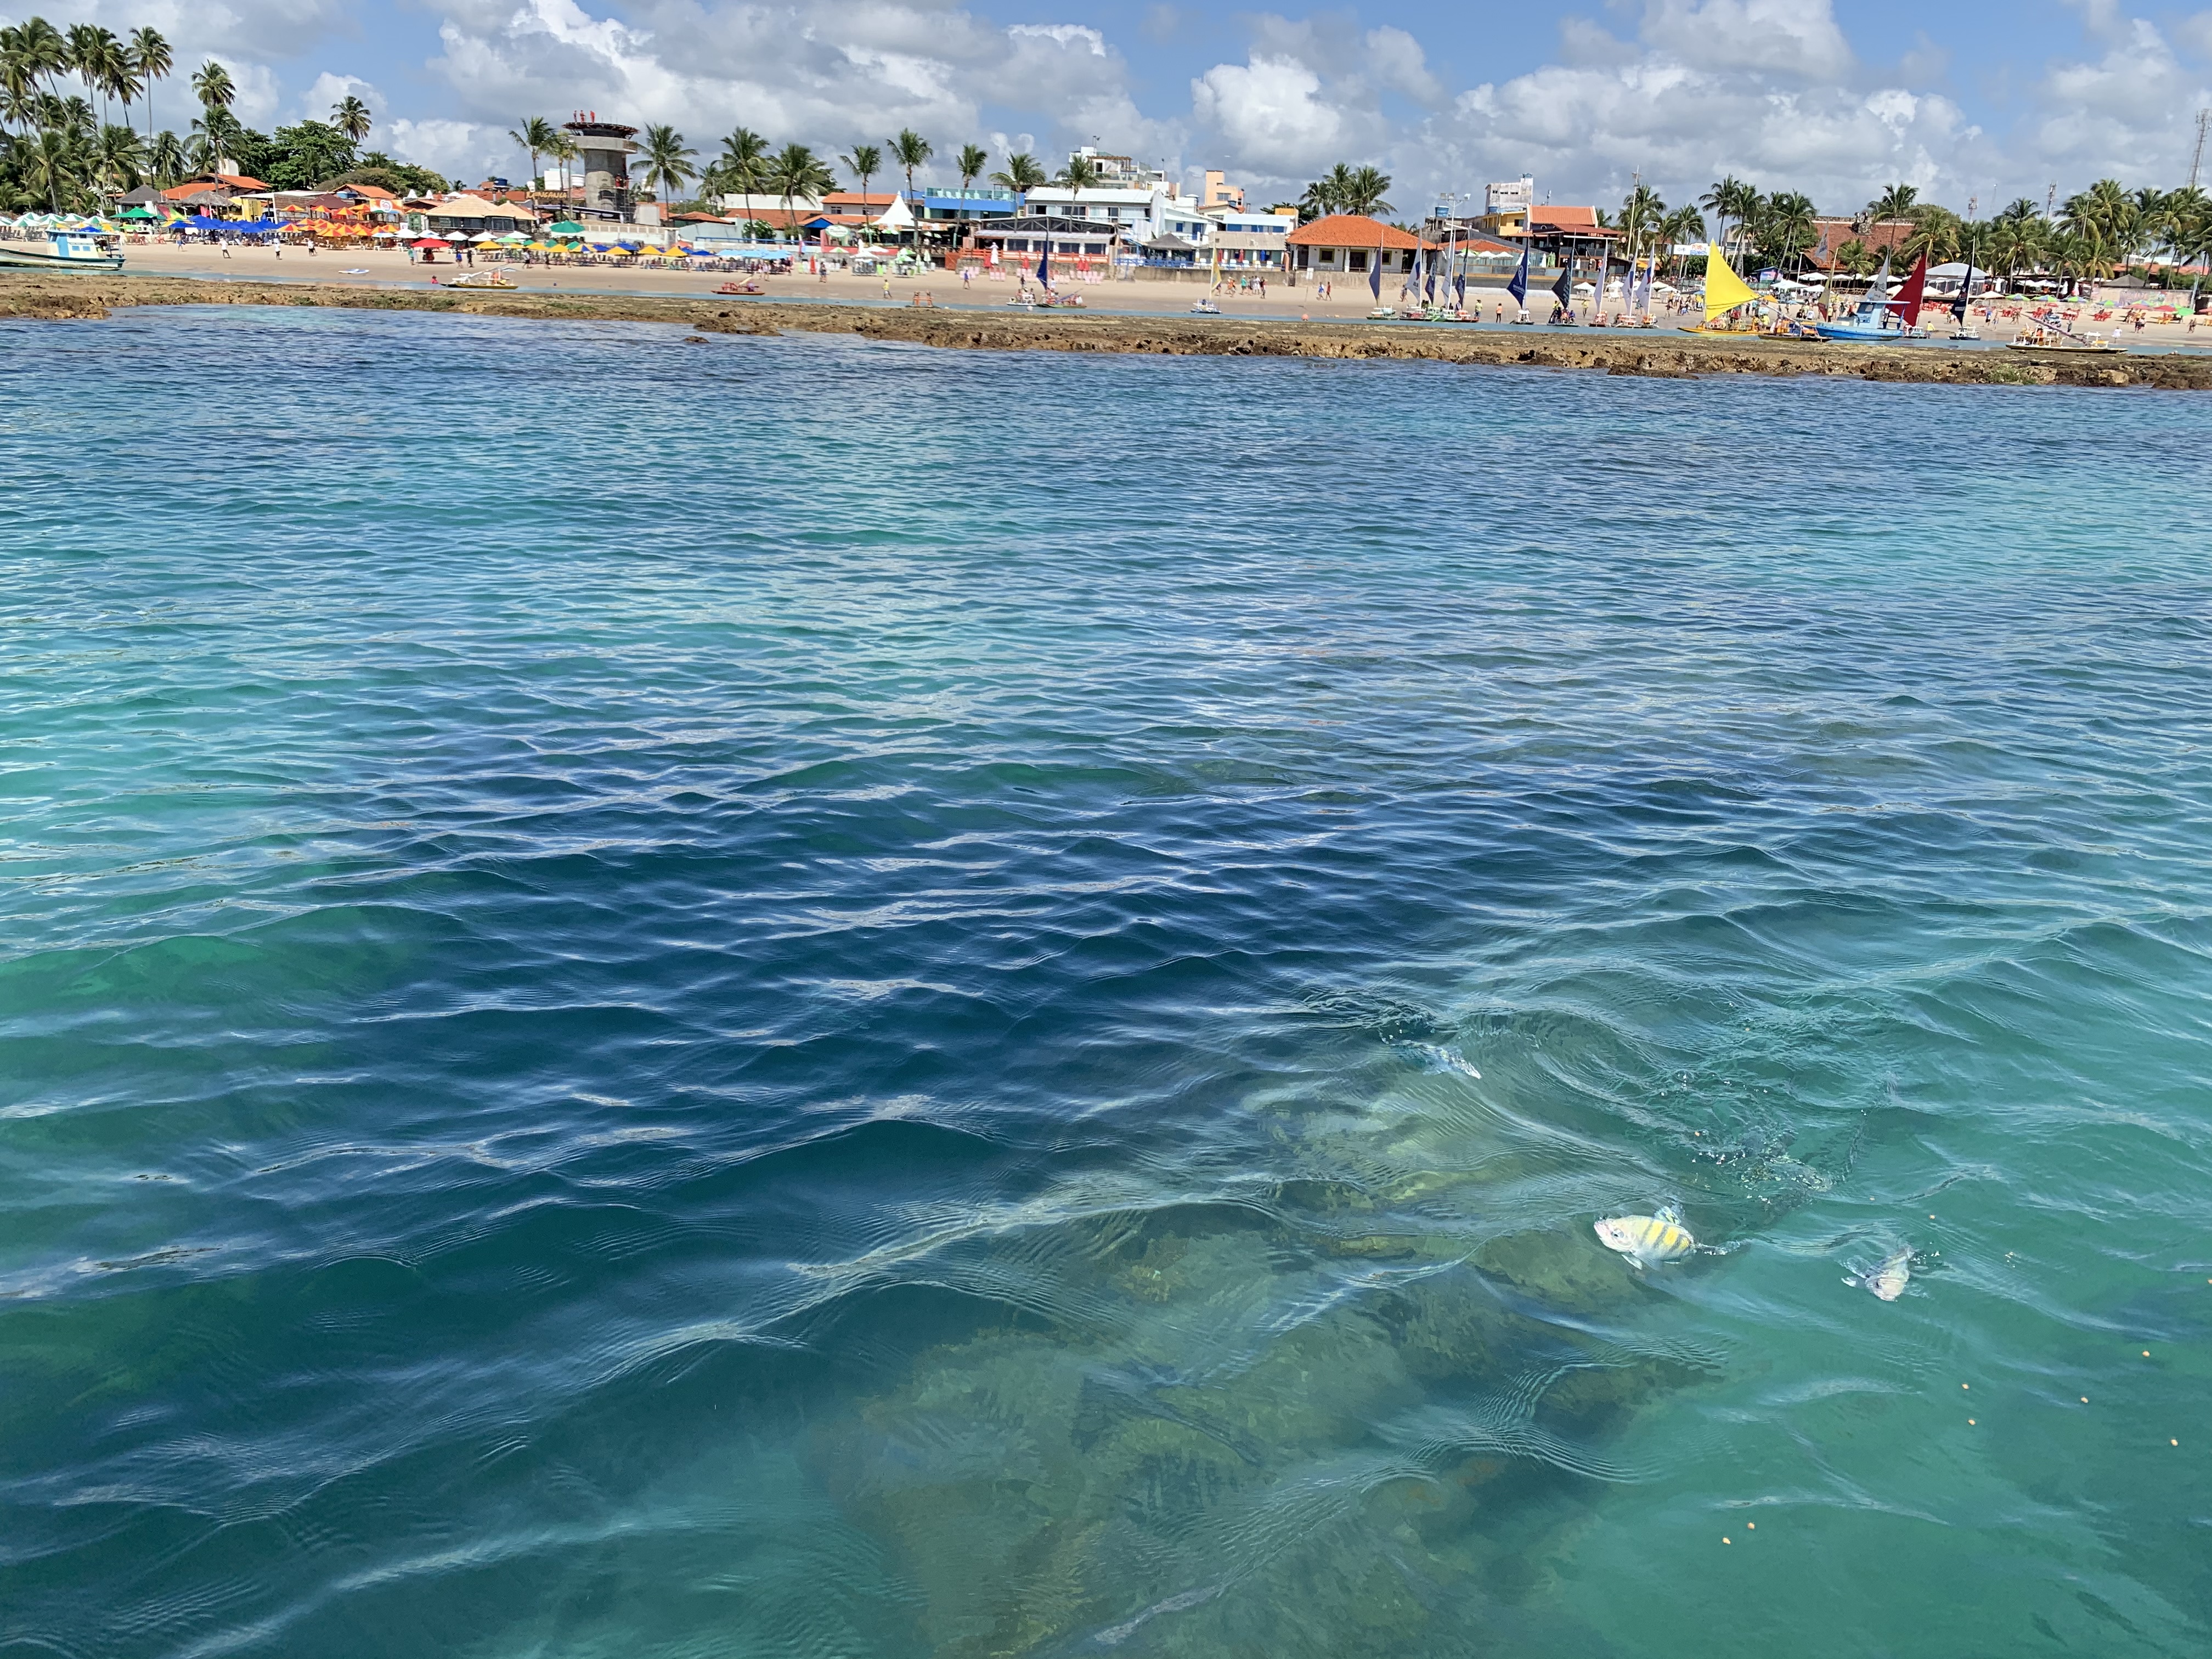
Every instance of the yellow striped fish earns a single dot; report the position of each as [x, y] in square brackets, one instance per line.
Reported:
[1644, 1239]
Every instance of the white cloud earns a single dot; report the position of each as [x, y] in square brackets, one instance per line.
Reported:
[1271, 115]
[328, 90]
[2131, 114]
[826, 73]
[1786, 37]
[1683, 91]
[466, 150]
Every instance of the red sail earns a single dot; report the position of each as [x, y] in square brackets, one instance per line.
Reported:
[1906, 301]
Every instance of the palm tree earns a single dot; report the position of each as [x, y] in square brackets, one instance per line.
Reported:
[1322, 197]
[151, 58]
[214, 137]
[352, 116]
[562, 148]
[2103, 220]
[1684, 224]
[1642, 214]
[1784, 228]
[1895, 203]
[667, 164]
[1081, 174]
[86, 60]
[910, 150]
[118, 160]
[46, 161]
[1937, 234]
[1363, 192]
[742, 168]
[795, 171]
[535, 138]
[864, 163]
[1730, 197]
[124, 79]
[216, 92]
[1022, 174]
[974, 158]
[164, 158]
[41, 50]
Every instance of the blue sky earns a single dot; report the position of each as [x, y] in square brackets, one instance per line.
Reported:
[1834, 98]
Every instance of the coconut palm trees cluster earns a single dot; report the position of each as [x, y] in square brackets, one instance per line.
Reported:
[2094, 233]
[63, 148]
[1347, 189]
[56, 150]
[746, 165]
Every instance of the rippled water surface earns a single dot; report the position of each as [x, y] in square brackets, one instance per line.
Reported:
[783, 997]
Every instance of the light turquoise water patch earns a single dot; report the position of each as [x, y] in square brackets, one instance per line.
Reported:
[789, 997]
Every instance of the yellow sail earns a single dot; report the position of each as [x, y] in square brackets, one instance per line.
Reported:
[1724, 289]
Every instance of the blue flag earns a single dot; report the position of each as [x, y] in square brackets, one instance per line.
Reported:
[1044, 266]
[1518, 288]
[1375, 276]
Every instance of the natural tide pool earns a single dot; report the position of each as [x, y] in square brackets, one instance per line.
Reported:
[786, 998]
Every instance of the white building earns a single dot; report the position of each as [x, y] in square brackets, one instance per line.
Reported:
[1514, 196]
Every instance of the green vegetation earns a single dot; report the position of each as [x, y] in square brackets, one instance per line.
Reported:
[64, 149]
[1347, 189]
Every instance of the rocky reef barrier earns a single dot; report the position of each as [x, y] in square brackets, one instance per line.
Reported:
[1663, 354]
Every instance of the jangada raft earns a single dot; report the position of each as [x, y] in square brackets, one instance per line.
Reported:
[484, 279]
[2055, 337]
[40, 242]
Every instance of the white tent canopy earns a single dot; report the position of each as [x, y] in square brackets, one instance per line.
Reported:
[896, 216]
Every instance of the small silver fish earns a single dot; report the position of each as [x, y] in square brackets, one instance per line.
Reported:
[1644, 1239]
[1888, 1280]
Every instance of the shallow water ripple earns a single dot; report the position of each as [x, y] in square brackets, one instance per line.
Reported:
[792, 998]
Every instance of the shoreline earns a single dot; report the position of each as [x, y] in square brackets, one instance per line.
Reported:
[1660, 353]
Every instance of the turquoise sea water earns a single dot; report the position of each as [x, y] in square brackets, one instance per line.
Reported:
[786, 998]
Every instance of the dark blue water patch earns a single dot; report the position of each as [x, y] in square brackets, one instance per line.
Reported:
[814, 998]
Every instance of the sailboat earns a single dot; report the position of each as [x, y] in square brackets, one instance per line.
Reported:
[1725, 291]
[1882, 317]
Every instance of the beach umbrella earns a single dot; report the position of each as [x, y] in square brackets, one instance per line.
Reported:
[432, 241]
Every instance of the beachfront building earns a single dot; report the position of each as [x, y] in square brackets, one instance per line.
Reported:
[953, 204]
[1830, 235]
[470, 215]
[1352, 245]
[603, 151]
[1021, 241]
[1122, 172]
[1115, 206]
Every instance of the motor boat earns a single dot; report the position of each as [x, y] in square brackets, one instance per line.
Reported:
[1205, 309]
[34, 247]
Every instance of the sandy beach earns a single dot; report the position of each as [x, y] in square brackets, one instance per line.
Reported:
[688, 302]
[1350, 302]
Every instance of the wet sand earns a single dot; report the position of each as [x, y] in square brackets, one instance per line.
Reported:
[686, 299]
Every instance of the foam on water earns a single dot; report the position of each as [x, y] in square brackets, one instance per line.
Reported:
[793, 998]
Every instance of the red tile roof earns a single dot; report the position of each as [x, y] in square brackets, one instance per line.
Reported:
[1353, 230]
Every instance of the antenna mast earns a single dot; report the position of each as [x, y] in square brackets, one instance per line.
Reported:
[2203, 122]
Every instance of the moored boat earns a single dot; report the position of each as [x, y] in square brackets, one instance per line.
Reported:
[2056, 336]
[1883, 319]
[484, 279]
[30, 245]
